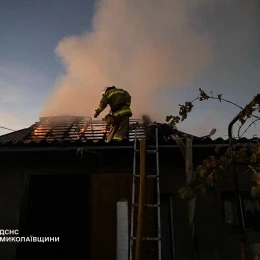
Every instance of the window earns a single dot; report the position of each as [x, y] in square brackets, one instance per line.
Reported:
[250, 206]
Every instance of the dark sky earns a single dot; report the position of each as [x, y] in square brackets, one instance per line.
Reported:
[30, 31]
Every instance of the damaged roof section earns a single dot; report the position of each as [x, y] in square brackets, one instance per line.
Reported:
[82, 131]
[67, 128]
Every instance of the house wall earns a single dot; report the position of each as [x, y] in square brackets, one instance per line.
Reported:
[111, 182]
[208, 215]
[230, 246]
[207, 219]
[215, 239]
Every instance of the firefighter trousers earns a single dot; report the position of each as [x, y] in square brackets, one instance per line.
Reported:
[120, 129]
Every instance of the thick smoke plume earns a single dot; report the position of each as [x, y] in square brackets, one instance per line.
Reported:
[139, 45]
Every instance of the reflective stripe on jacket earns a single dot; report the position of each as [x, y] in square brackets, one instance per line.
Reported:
[119, 101]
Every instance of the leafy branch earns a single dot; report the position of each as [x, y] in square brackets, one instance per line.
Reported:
[245, 113]
[209, 174]
[255, 191]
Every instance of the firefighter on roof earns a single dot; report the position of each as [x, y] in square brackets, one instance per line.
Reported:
[119, 101]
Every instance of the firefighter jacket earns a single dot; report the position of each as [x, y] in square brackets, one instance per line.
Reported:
[119, 101]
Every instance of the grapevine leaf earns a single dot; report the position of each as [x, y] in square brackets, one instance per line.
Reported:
[253, 158]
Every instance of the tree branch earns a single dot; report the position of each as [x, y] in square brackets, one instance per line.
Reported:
[228, 102]
[258, 119]
[195, 99]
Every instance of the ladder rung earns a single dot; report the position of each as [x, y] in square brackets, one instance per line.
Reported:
[148, 151]
[151, 176]
[148, 205]
[151, 151]
[148, 238]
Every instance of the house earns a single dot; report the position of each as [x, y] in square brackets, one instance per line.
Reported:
[60, 179]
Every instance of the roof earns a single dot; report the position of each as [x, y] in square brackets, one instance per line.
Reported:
[77, 131]
[65, 128]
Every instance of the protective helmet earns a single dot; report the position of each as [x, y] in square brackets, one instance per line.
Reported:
[106, 89]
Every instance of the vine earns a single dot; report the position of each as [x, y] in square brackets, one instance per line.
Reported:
[207, 175]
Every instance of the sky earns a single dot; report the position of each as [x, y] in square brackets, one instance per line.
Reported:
[57, 56]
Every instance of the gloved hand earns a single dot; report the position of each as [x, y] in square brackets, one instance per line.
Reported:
[96, 115]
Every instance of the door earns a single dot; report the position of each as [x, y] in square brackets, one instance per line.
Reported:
[56, 206]
[107, 190]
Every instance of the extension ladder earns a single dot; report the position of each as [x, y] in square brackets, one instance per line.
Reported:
[156, 206]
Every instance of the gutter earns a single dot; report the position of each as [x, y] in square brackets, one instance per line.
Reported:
[75, 148]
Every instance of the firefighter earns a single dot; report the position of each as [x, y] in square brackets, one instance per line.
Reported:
[119, 101]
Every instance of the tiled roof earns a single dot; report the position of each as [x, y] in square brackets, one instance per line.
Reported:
[81, 131]
[15, 136]
[66, 129]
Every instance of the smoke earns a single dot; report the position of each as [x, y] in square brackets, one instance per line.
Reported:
[142, 46]
[138, 45]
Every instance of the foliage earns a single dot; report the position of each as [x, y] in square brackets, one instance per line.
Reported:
[255, 191]
[207, 175]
